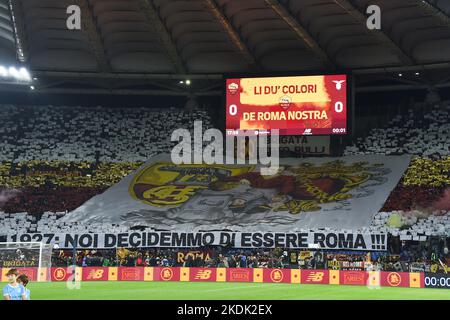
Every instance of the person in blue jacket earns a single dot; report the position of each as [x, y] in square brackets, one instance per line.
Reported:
[14, 290]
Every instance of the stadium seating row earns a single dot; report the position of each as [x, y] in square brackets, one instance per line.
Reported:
[424, 133]
[95, 134]
[38, 173]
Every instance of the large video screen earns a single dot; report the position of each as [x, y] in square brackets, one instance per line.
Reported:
[303, 105]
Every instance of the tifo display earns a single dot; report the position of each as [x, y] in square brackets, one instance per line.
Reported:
[301, 105]
[108, 208]
[215, 149]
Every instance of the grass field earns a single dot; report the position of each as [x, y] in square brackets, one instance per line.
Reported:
[225, 291]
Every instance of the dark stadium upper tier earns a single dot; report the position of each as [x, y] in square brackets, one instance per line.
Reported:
[7, 40]
[218, 36]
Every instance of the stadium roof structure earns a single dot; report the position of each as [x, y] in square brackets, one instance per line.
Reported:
[123, 42]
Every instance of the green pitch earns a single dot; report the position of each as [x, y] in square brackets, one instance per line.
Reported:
[225, 291]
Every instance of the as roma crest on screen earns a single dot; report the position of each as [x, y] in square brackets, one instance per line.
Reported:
[233, 88]
[285, 102]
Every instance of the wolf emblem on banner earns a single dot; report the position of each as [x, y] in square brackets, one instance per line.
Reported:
[304, 187]
[294, 189]
[166, 184]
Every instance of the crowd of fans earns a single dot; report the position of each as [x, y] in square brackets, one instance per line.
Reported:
[53, 186]
[94, 134]
[429, 256]
[412, 256]
[38, 173]
[18, 257]
[53, 159]
[423, 131]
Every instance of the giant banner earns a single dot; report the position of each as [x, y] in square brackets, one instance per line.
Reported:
[266, 240]
[342, 193]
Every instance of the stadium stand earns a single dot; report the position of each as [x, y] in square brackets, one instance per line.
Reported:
[89, 134]
[59, 157]
[419, 132]
[56, 158]
[88, 192]
[404, 257]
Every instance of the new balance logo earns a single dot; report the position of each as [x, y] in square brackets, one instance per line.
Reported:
[95, 274]
[203, 275]
[315, 277]
[307, 132]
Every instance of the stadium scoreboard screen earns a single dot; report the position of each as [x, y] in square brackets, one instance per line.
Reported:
[300, 105]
